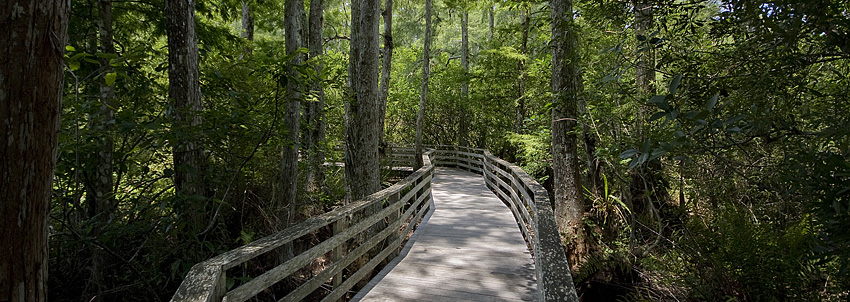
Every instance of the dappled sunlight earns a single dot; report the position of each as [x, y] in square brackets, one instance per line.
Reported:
[470, 249]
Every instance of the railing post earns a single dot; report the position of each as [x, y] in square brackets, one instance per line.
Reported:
[395, 216]
[220, 287]
[339, 252]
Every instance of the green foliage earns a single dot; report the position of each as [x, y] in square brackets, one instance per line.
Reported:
[744, 125]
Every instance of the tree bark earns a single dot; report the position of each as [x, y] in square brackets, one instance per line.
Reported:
[185, 93]
[247, 26]
[315, 177]
[362, 164]
[387, 63]
[492, 9]
[520, 102]
[33, 42]
[463, 134]
[423, 97]
[567, 90]
[647, 181]
[100, 195]
[287, 204]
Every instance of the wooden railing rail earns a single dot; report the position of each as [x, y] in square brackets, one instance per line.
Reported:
[404, 203]
[400, 205]
[532, 209]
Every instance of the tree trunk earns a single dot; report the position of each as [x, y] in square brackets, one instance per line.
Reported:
[463, 134]
[387, 63]
[35, 33]
[100, 181]
[247, 26]
[287, 202]
[185, 93]
[520, 102]
[315, 110]
[492, 23]
[423, 97]
[362, 164]
[647, 181]
[594, 164]
[566, 86]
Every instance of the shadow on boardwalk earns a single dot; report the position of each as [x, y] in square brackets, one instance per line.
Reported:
[470, 249]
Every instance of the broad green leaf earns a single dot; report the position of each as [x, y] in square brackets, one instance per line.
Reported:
[674, 84]
[656, 154]
[712, 102]
[110, 78]
[628, 153]
[74, 65]
[70, 48]
[657, 115]
[736, 119]
[657, 99]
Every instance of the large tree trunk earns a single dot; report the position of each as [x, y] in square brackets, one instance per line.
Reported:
[423, 97]
[100, 180]
[33, 42]
[463, 134]
[185, 93]
[362, 165]
[286, 203]
[387, 63]
[315, 177]
[566, 86]
[520, 102]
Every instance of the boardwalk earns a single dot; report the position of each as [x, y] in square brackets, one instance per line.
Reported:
[469, 250]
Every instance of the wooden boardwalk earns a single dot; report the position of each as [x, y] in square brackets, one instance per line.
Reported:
[470, 249]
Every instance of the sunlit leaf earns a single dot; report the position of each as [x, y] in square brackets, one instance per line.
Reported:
[110, 78]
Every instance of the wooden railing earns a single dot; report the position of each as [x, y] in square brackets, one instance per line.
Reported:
[402, 206]
[532, 209]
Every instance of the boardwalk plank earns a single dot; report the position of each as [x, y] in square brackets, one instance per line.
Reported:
[470, 249]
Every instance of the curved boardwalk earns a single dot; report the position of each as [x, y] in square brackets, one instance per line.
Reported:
[470, 249]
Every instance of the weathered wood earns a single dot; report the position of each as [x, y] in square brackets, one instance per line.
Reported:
[200, 284]
[204, 282]
[360, 274]
[527, 200]
[553, 273]
[337, 267]
[469, 250]
[276, 274]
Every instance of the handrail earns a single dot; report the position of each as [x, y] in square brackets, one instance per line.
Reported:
[404, 203]
[527, 199]
[532, 209]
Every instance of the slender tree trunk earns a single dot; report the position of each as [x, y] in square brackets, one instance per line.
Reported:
[33, 42]
[289, 158]
[566, 86]
[594, 164]
[100, 183]
[387, 63]
[492, 11]
[423, 97]
[185, 93]
[362, 164]
[520, 102]
[247, 26]
[463, 134]
[647, 182]
[315, 113]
